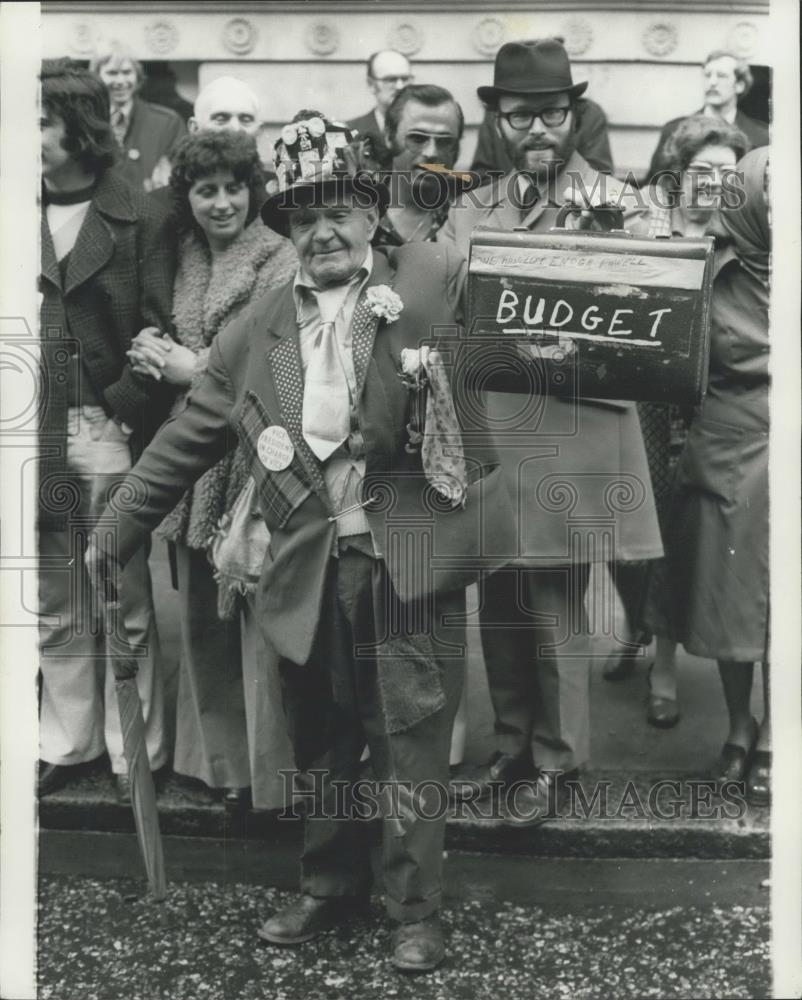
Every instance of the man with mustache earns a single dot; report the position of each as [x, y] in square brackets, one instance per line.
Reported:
[423, 125]
[726, 79]
[532, 616]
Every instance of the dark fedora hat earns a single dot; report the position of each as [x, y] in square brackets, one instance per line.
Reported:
[538, 67]
[315, 160]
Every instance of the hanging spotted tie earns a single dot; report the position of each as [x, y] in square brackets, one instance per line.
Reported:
[434, 426]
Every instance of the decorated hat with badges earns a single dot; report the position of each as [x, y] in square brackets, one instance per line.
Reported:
[316, 159]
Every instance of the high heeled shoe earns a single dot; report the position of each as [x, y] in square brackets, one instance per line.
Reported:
[734, 760]
[663, 713]
[758, 779]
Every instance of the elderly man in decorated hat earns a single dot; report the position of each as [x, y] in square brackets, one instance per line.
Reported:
[380, 490]
[532, 614]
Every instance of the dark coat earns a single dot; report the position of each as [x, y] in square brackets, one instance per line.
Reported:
[254, 380]
[119, 278]
[586, 445]
[367, 127]
[592, 141]
[756, 132]
[152, 133]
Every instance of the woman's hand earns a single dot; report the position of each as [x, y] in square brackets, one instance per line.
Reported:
[161, 357]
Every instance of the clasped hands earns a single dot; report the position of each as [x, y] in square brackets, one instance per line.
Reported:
[587, 208]
[156, 355]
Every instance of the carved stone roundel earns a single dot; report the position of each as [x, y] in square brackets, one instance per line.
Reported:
[239, 36]
[578, 35]
[488, 36]
[660, 38]
[322, 38]
[161, 36]
[743, 39]
[82, 38]
[406, 37]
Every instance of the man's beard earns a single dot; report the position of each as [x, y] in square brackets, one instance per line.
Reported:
[548, 165]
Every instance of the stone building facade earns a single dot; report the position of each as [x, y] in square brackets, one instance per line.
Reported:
[641, 57]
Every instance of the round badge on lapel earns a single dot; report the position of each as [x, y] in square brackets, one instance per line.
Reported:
[274, 448]
[133, 154]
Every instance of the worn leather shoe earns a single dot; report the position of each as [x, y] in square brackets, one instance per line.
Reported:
[533, 801]
[51, 777]
[309, 916]
[758, 779]
[501, 770]
[419, 947]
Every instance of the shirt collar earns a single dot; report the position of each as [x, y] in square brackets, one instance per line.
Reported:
[126, 110]
[302, 279]
[729, 117]
[303, 284]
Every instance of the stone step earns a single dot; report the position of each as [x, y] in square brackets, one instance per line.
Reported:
[615, 816]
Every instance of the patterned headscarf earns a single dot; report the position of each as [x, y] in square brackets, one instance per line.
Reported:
[748, 224]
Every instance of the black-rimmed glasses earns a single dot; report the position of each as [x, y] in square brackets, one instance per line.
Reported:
[522, 120]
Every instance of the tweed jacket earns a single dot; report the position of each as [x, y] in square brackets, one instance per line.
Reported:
[587, 449]
[254, 381]
[119, 278]
[205, 300]
[152, 133]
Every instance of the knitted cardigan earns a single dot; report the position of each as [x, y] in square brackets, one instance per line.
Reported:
[206, 298]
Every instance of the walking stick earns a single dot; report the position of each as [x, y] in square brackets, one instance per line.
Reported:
[143, 793]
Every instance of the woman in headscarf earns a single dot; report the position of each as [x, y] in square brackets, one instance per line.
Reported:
[716, 589]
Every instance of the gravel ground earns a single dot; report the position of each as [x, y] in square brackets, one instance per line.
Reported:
[97, 943]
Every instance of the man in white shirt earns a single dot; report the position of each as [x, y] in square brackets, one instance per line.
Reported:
[373, 539]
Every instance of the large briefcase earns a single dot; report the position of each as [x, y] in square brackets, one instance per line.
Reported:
[588, 314]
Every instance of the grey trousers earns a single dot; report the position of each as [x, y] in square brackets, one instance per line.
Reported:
[537, 656]
[334, 705]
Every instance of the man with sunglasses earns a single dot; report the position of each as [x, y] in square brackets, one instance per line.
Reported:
[423, 126]
[388, 71]
[533, 622]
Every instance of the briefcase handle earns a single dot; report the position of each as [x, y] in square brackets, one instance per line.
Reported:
[615, 215]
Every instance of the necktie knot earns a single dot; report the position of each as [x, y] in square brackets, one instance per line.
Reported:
[118, 126]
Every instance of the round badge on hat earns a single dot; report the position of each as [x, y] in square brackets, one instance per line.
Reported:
[275, 449]
[133, 154]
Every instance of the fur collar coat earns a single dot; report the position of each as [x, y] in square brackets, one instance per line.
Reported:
[209, 294]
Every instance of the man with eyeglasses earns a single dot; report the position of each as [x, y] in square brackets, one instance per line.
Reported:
[727, 79]
[387, 72]
[423, 127]
[592, 140]
[533, 622]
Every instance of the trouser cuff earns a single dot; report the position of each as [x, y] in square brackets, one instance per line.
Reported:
[411, 913]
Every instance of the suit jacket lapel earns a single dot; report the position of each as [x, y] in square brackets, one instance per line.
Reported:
[285, 390]
[93, 249]
[50, 268]
[365, 323]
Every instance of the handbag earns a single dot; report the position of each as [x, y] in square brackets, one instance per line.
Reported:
[237, 548]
